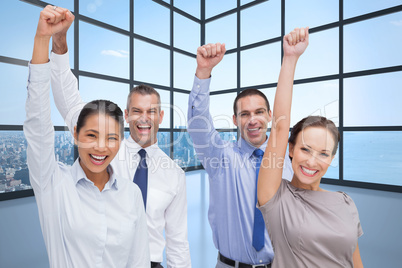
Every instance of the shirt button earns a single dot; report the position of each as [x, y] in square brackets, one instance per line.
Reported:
[260, 261]
[198, 86]
[192, 107]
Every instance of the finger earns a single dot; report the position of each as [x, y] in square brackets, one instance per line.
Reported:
[69, 16]
[288, 38]
[202, 51]
[294, 38]
[302, 34]
[307, 33]
[47, 15]
[213, 50]
[297, 32]
[208, 49]
[218, 49]
[223, 48]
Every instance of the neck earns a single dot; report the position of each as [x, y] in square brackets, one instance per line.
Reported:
[99, 179]
[298, 184]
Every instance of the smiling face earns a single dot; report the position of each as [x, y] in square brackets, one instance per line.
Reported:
[144, 116]
[98, 142]
[311, 156]
[252, 119]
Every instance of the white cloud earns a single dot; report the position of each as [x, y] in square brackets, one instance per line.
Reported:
[397, 23]
[114, 53]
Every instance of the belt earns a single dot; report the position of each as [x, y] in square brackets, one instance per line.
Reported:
[155, 264]
[241, 265]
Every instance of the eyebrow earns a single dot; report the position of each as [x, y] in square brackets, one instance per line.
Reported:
[97, 132]
[313, 149]
[247, 111]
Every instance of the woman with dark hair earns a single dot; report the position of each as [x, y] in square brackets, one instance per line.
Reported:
[89, 216]
[308, 226]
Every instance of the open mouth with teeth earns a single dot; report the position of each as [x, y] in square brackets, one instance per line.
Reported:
[253, 131]
[98, 159]
[308, 172]
[144, 128]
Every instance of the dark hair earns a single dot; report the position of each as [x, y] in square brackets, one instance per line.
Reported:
[315, 121]
[143, 90]
[250, 92]
[101, 107]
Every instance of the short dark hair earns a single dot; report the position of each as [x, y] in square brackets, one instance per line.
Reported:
[101, 107]
[143, 90]
[250, 92]
[315, 121]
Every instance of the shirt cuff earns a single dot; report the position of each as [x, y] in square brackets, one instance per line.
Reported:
[39, 72]
[201, 85]
[60, 62]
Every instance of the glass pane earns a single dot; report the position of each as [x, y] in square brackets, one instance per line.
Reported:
[116, 13]
[333, 169]
[94, 89]
[13, 162]
[314, 13]
[373, 100]
[152, 20]
[186, 34]
[228, 136]
[221, 109]
[151, 63]
[14, 84]
[184, 71]
[213, 7]
[14, 174]
[321, 57]
[180, 110]
[222, 31]
[183, 151]
[103, 51]
[373, 156]
[191, 7]
[319, 98]
[164, 142]
[368, 44]
[260, 22]
[224, 75]
[69, 4]
[260, 65]
[243, 2]
[20, 37]
[165, 106]
[64, 147]
[354, 8]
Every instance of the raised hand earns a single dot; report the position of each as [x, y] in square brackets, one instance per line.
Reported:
[52, 20]
[208, 56]
[296, 42]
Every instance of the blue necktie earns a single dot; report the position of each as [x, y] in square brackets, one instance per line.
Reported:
[259, 225]
[141, 176]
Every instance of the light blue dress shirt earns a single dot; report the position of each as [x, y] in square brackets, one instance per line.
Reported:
[82, 226]
[232, 181]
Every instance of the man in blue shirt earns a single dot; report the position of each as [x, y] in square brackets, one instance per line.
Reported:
[231, 166]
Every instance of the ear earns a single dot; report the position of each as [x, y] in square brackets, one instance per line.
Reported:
[269, 116]
[126, 115]
[235, 120]
[161, 114]
[75, 136]
[291, 149]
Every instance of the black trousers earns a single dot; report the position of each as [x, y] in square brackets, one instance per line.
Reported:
[156, 265]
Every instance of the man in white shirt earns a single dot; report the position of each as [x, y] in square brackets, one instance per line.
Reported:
[165, 189]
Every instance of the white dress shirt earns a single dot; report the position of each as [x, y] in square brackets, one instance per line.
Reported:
[82, 226]
[166, 201]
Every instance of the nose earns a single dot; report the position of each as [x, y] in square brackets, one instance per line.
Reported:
[312, 160]
[100, 145]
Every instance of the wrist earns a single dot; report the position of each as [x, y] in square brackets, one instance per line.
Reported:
[203, 73]
[59, 44]
[292, 59]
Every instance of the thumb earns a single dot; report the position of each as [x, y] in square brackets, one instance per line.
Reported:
[69, 17]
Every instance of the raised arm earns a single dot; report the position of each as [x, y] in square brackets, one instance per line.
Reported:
[206, 139]
[38, 128]
[270, 176]
[64, 84]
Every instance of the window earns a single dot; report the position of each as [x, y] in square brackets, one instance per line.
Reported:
[350, 73]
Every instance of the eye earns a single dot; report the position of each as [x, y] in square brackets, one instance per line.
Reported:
[305, 149]
[113, 138]
[324, 155]
[91, 135]
[243, 114]
[260, 112]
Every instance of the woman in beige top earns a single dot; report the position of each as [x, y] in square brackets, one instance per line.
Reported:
[308, 226]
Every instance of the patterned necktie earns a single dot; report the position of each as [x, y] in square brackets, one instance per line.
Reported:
[141, 176]
[259, 225]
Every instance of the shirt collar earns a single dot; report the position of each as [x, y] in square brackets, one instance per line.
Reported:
[134, 147]
[79, 175]
[247, 148]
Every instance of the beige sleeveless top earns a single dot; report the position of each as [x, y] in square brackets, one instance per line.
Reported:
[311, 228]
